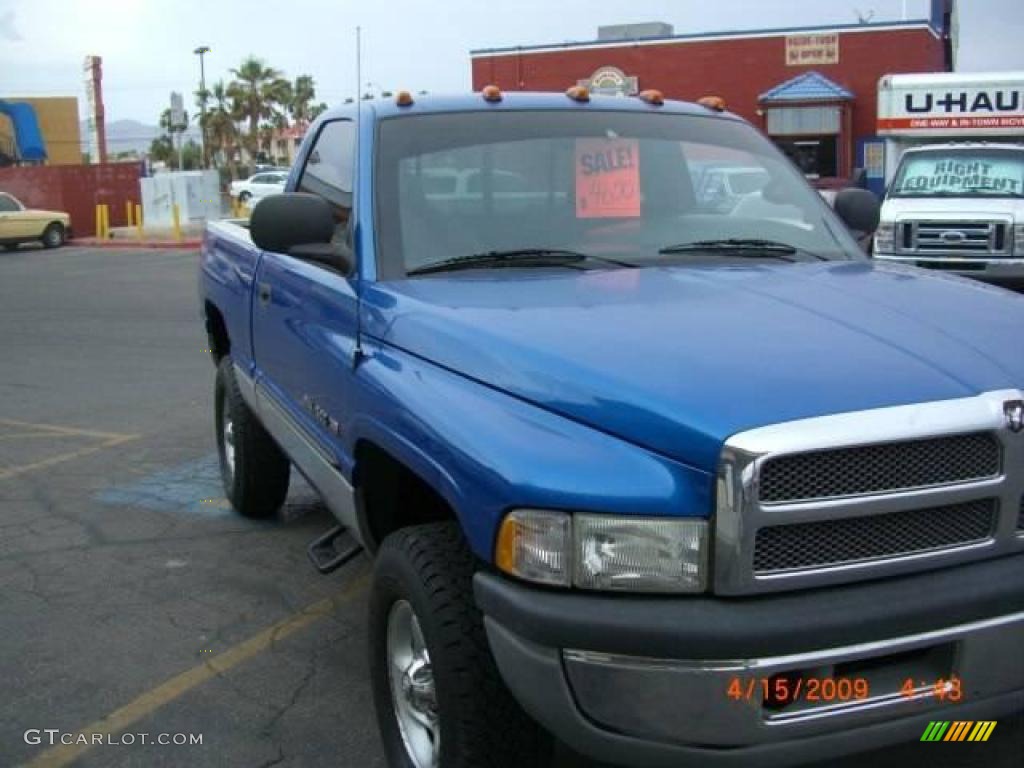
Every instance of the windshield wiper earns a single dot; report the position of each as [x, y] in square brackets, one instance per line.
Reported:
[986, 190]
[928, 193]
[750, 248]
[518, 257]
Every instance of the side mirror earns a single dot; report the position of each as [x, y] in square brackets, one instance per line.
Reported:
[859, 209]
[281, 222]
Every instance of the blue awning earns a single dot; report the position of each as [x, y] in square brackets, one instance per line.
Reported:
[27, 135]
[810, 86]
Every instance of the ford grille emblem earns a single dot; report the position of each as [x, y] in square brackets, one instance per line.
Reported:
[953, 236]
[1014, 410]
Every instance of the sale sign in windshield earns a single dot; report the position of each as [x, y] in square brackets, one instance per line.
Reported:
[607, 178]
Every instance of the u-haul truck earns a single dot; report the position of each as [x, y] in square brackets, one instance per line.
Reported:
[954, 172]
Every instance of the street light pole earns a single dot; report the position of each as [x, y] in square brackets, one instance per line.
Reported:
[201, 51]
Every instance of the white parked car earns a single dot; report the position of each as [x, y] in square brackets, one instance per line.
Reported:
[258, 186]
[721, 188]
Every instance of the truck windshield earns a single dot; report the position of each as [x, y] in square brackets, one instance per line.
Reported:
[960, 173]
[624, 188]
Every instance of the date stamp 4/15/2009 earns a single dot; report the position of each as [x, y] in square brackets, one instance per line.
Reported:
[782, 690]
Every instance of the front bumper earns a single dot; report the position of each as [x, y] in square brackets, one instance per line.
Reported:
[1003, 271]
[644, 680]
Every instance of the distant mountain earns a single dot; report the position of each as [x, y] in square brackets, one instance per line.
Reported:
[128, 135]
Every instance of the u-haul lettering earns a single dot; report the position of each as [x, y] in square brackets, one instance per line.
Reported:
[951, 108]
[950, 101]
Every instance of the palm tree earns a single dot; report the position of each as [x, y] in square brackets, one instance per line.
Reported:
[221, 128]
[258, 90]
[266, 142]
[303, 93]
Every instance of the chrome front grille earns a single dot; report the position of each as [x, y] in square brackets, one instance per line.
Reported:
[869, 494]
[826, 543]
[880, 468]
[964, 239]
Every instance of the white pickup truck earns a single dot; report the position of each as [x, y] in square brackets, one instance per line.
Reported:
[957, 207]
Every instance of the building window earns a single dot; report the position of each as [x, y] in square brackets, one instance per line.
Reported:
[815, 156]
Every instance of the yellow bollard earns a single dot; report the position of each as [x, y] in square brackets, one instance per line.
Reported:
[99, 221]
[106, 221]
[176, 217]
[127, 213]
[138, 220]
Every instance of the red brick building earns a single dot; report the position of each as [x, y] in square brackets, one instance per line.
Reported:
[813, 90]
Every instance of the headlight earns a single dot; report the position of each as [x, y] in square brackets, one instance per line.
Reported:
[605, 552]
[885, 237]
[534, 544]
[1018, 240]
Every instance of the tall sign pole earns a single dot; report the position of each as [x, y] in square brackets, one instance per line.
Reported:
[93, 71]
[201, 51]
[178, 125]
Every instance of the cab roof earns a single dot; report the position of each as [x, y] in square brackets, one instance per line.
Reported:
[950, 145]
[382, 108]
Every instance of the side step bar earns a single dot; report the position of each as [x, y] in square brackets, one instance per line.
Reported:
[328, 554]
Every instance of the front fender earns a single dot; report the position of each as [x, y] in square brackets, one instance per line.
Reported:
[486, 452]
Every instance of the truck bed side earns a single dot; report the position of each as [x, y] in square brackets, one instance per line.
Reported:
[228, 263]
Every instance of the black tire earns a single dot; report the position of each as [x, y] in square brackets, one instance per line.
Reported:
[53, 235]
[256, 481]
[430, 568]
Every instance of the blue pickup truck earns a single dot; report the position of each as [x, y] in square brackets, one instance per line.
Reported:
[673, 482]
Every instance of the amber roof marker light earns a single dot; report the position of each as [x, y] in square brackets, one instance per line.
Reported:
[491, 93]
[578, 93]
[403, 99]
[716, 103]
[652, 96]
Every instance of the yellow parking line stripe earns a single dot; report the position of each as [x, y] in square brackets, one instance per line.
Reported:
[58, 430]
[154, 699]
[62, 457]
[18, 435]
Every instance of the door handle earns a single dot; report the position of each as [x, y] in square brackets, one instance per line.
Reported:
[264, 294]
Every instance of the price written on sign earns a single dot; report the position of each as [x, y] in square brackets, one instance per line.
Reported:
[607, 179]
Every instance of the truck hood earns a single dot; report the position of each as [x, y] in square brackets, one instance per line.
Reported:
[955, 208]
[678, 359]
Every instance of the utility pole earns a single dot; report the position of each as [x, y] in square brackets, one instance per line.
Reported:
[201, 51]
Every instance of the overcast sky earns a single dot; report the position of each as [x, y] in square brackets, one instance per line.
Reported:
[147, 45]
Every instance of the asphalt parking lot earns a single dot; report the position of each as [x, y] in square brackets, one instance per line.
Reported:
[132, 599]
